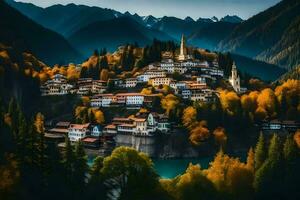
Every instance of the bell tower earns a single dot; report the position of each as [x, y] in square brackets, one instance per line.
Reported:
[183, 51]
[235, 79]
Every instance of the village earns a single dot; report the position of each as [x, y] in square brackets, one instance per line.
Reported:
[140, 129]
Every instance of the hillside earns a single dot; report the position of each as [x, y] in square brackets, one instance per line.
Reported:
[175, 27]
[121, 31]
[261, 33]
[210, 35]
[64, 19]
[292, 74]
[286, 52]
[260, 69]
[22, 33]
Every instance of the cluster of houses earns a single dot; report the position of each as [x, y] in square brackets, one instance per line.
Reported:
[122, 131]
[142, 124]
[133, 100]
[90, 134]
[58, 85]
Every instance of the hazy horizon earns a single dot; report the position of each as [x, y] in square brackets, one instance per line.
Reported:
[157, 8]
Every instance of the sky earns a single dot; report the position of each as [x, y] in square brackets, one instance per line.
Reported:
[177, 8]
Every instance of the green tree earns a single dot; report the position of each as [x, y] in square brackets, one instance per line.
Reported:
[269, 177]
[292, 165]
[96, 186]
[260, 152]
[80, 167]
[68, 161]
[131, 173]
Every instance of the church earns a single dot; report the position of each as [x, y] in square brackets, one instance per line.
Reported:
[234, 79]
[183, 50]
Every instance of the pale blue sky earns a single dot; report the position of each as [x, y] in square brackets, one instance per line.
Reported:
[178, 8]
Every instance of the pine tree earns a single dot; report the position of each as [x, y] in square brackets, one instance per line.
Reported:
[269, 177]
[69, 158]
[95, 170]
[80, 166]
[260, 152]
[251, 160]
[291, 165]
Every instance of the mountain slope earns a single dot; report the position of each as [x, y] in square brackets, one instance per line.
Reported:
[292, 74]
[121, 31]
[22, 33]
[260, 69]
[65, 19]
[261, 32]
[286, 52]
[175, 27]
[210, 35]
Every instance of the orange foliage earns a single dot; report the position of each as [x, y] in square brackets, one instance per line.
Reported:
[266, 102]
[297, 138]
[189, 117]
[220, 136]
[230, 101]
[229, 174]
[169, 103]
[199, 133]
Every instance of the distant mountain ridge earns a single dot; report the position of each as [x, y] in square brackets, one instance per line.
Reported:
[272, 35]
[24, 34]
[122, 30]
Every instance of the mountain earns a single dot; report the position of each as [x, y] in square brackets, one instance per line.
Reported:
[256, 68]
[207, 20]
[22, 33]
[232, 19]
[189, 19]
[292, 74]
[286, 52]
[65, 19]
[215, 19]
[211, 34]
[121, 31]
[150, 20]
[269, 35]
[175, 27]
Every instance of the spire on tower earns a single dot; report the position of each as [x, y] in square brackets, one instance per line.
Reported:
[183, 51]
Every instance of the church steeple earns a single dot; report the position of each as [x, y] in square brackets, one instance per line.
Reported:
[183, 51]
[235, 79]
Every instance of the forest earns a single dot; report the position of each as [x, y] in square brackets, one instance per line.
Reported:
[31, 168]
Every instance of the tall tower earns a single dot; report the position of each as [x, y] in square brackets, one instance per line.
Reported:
[235, 79]
[183, 51]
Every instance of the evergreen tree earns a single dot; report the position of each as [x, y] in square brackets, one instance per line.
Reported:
[96, 187]
[80, 167]
[69, 158]
[292, 165]
[104, 62]
[269, 177]
[260, 152]
[251, 160]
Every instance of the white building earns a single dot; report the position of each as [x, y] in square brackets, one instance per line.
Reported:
[56, 86]
[152, 73]
[96, 131]
[160, 81]
[102, 100]
[78, 131]
[136, 99]
[234, 79]
[130, 82]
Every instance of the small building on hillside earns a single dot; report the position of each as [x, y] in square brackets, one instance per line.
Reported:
[160, 81]
[78, 131]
